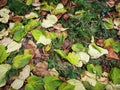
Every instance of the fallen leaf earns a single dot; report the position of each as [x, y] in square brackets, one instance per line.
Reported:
[64, 2]
[66, 44]
[59, 27]
[53, 72]
[24, 74]
[41, 69]
[111, 54]
[3, 33]
[3, 3]
[59, 15]
[6, 41]
[30, 45]
[13, 46]
[16, 18]
[44, 12]
[95, 51]
[49, 21]
[118, 33]
[31, 15]
[66, 16]
[44, 40]
[37, 53]
[111, 3]
[100, 42]
[4, 68]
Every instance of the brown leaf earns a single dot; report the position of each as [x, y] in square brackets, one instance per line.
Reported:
[37, 53]
[111, 54]
[66, 44]
[3, 3]
[66, 16]
[41, 69]
[118, 33]
[53, 72]
[111, 3]
[59, 27]
[64, 2]
[16, 18]
[100, 42]
[44, 12]
[59, 15]
[30, 45]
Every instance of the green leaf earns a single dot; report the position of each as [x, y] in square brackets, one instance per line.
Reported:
[4, 68]
[18, 31]
[77, 47]
[66, 86]
[29, 2]
[98, 86]
[72, 58]
[3, 54]
[31, 25]
[51, 82]
[36, 34]
[115, 75]
[18, 35]
[97, 69]
[78, 84]
[113, 43]
[116, 46]
[108, 42]
[108, 23]
[61, 53]
[21, 60]
[34, 83]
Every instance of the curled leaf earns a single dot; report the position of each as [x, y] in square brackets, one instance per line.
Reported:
[95, 51]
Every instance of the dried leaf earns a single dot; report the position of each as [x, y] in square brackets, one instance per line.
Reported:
[3, 3]
[66, 16]
[111, 3]
[64, 2]
[16, 18]
[41, 69]
[111, 54]
[53, 72]
[59, 27]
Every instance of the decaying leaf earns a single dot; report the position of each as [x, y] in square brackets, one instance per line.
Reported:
[59, 27]
[3, 3]
[53, 72]
[111, 3]
[18, 83]
[16, 18]
[89, 77]
[41, 69]
[111, 54]
[64, 2]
